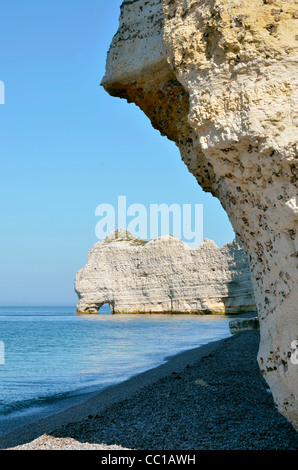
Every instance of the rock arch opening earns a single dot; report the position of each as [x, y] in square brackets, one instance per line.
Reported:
[105, 309]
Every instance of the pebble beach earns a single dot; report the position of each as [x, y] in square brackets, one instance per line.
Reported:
[209, 398]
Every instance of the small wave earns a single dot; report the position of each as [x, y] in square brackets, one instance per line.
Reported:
[24, 405]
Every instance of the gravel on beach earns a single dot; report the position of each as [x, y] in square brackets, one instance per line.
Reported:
[220, 402]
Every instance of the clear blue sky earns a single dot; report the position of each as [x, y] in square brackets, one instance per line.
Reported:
[67, 146]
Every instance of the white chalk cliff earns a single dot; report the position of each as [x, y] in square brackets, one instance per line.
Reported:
[164, 275]
[219, 78]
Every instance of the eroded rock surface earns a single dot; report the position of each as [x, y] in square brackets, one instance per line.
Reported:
[164, 275]
[219, 78]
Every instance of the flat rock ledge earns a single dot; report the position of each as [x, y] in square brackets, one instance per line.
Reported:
[236, 326]
[164, 275]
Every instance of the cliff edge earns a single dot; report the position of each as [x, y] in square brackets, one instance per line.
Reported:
[219, 78]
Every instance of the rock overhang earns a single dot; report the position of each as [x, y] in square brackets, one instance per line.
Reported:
[224, 89]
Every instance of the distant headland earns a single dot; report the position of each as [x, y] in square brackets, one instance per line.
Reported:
[164, 276]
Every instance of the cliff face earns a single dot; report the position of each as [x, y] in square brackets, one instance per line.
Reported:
[219, 78]
[164, 276]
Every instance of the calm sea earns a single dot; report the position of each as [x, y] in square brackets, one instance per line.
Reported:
[52, 355]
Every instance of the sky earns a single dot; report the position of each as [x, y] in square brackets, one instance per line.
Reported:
[66, 147]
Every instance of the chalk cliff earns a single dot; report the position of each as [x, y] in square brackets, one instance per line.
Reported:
[219, 78]
[164, 275]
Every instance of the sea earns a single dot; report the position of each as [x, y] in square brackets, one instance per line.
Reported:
[52, 358]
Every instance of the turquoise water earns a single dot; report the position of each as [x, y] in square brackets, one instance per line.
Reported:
[52, 354]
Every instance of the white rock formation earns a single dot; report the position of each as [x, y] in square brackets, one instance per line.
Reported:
[219, 78]
[164, 275]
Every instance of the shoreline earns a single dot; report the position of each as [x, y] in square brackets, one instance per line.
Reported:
[210, 397]
[95, 402]
[70, 400]
[23, 412]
